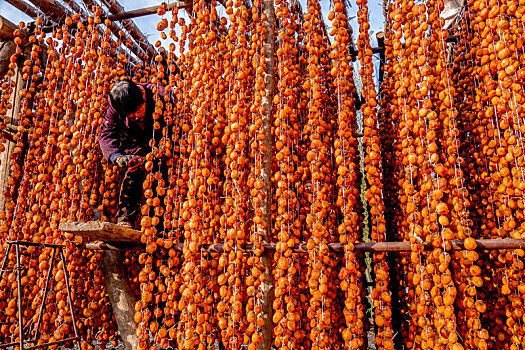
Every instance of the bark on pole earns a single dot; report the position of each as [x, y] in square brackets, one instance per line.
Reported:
[51, 9]
[7, 49]
[7, 29]
[114, 7]
[122, 15]
[121, 296]
[5, 169]
[114, 29]
[25, 8]
[267, 102]
[7, 45]
[120, 238]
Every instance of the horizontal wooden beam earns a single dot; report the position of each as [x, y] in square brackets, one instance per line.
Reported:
[112, 245]
[381, 49]
[148, 10]
[51, 9]
[113, 234]
[114, 7]
[482, 244]
[113, 27]
[25, 8]
[7, 29]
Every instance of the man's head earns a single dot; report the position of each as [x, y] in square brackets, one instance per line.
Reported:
[128, 99]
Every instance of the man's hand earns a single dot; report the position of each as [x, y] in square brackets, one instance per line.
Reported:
[123, 161]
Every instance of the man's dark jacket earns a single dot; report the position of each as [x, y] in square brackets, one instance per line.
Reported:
[119, 135]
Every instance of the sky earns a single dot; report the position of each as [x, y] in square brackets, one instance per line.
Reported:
[147, 24]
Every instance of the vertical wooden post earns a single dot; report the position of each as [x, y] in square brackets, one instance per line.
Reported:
[380, 36]
[5, 168]
[7, 49]
[7, 29]
[7, 46]
[267, 102]
[121, 296]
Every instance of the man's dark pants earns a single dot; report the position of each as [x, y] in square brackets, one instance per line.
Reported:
[130, 195]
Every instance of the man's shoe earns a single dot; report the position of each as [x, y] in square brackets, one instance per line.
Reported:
[125, 224]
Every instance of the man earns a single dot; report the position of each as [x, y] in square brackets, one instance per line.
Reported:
[124, 140]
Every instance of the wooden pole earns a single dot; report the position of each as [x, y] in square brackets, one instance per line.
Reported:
[113, 27]
[75, 7]
[148, 10]
[51, 9]
[114, 7]
[5, 167]
[7, 28]
[58, 13]
[25, 8]
[267, 102]
[380, 36]
[391, 247]
[121, 296]
[7, 49]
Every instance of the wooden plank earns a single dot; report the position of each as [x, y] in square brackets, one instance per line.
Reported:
[101, 231]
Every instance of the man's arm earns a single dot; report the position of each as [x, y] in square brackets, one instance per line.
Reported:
[109, 136]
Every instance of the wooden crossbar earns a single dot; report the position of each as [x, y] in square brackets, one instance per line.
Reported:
[110, 233]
